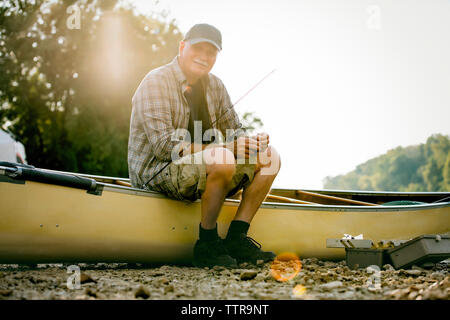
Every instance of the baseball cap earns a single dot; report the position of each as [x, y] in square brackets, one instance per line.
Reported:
[204, 33]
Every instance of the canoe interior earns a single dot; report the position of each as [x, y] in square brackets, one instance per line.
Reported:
[375, 197]
[303, 196]
[371, 197]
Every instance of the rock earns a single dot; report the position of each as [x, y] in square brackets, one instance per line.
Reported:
[413, 272]
[142, 292]
[260, 277]
[218, 268]
[248, 275]
[437, 275]
[90, 292]
[5, 293]
[332, 285]
[85, 278]
[346, 295]
[388, 267]
[259, 262]
[169, 288]
[243, 265]
[414, 267]
[162, 281]
[265, 296]
[101, 296]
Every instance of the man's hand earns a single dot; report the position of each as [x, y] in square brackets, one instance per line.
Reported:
[263, 141]
[244, 147]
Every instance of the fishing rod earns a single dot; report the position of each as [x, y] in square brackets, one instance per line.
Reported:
[228, 109]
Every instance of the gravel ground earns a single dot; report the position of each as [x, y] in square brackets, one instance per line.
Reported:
[315, 280]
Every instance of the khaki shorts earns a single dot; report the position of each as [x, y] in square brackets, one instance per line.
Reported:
[188, 176]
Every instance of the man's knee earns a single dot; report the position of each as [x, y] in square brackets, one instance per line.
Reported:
[219, 155]
[269, 162]
[220, 163]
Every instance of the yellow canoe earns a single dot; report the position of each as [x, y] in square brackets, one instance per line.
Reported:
[46, 220]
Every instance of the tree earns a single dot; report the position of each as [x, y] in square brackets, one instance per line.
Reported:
[66, 92]
[446, 174]
[250, 122]
[415, 168]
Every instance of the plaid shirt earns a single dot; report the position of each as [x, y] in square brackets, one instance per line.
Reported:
[159, 108]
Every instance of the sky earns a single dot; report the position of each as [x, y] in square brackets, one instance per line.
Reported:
[353, 79]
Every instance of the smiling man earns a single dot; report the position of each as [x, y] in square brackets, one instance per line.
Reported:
[180, 114]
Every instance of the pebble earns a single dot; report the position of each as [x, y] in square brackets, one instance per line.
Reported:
[5, 293]
[332, 285]
[248, 275]
[169, 288]
[163, 281]
[90, 292]
[86, 278]
[322, 280]
[388, 267]
[142, 292]
[437, 275]
[218, 268]
[413, 272]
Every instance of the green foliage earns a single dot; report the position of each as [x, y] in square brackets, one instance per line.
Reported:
[251, 122]
[425, 167]
[66, 92]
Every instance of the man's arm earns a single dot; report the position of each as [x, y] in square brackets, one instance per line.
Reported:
[151, 104]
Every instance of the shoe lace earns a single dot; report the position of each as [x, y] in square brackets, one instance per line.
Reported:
[252, 243]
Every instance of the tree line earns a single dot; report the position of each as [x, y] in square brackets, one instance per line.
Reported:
[424, 167]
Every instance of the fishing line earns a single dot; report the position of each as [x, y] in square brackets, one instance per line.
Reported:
[228, 109]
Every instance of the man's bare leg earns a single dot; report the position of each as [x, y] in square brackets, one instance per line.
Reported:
[209, 249]
[220, 169]
[256, 192]
[238, 244]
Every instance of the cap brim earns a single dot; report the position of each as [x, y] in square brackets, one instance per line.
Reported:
[198, 40]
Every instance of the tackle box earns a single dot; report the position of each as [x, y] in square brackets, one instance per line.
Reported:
[426, 248]
[362, 258]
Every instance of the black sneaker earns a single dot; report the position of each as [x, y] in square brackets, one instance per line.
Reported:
[246, 249]
[212, 253]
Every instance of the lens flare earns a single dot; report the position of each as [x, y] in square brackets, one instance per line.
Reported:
[298, 290]
[285, 266]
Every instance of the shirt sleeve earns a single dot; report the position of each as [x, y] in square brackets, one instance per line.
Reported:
[152, 105]
[228, 122]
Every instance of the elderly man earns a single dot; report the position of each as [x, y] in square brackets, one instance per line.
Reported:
[183, 100]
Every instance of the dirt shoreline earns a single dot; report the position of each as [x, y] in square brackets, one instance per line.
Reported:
[317, 280]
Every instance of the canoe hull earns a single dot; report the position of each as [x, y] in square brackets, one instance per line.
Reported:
[49, 223]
